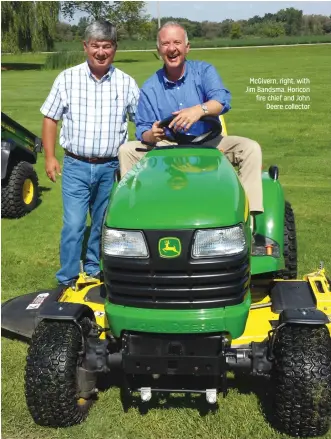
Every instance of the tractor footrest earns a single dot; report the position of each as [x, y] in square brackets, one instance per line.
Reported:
[292, 295]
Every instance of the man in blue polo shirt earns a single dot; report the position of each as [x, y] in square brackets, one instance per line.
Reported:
[190, 90]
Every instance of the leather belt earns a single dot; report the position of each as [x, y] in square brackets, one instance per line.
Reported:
[93, 160]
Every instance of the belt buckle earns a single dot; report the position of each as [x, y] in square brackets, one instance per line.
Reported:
[93, 159]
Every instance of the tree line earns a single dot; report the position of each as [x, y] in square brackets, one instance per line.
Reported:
[35, 26]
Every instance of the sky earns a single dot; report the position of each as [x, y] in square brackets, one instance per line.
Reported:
[221, 10]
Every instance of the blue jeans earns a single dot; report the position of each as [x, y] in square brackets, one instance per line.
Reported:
[85, 187]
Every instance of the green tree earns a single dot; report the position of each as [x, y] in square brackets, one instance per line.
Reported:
[64, 32]
[292, 19]
[254, 20]
[197, 32]
[28, 26]
[149, 30]
[272, 29]
[95, 10]
[210, 29]
[235, 31]
[81, 27]
[312, 25]
[327, 26]
[129, 16]
[269, 17]
[225, 28]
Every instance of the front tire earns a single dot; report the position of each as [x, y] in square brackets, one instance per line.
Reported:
[290, 245]
[301, 379]
[51, 384]
[19, 191]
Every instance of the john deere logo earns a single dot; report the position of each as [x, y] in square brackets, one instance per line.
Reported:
[170, 247]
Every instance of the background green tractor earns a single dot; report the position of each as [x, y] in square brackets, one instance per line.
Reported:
[187, 297]
[19, 181]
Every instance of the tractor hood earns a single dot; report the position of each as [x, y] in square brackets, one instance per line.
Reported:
[178, 188]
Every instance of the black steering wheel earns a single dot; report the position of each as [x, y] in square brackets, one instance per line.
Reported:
[215, 129]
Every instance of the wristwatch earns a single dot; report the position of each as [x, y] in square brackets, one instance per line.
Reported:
[204, 108]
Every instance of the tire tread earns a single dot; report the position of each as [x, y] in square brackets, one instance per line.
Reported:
[301, 377]
[12, 203]
[50, 380]
[290, 245]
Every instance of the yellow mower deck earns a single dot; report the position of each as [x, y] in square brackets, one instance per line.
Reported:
[259, 320]
[260, 317]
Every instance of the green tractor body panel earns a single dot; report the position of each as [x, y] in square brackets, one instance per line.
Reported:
[169, 189]
[16, 133]
[18, 142]
[231, 319]
[271, 225]
[266, 264]
[181, 188]
[186, 188]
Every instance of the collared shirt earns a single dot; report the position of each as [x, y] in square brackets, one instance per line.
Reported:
[93, 112]
[159, 97]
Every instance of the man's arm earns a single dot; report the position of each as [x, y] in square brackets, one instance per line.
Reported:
[188, 116]
[150, 136]
[184, 120]
[49, 133]
[52, 109]
[216, 98]
[146, 128]
[214, 108]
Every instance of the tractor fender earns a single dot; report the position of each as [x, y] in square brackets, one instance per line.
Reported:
[5, 153]
[12, 152]
[64, 311]
[303, 316]
[271, 222]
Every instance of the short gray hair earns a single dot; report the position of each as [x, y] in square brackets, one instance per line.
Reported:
[101, 30]
[171, 24]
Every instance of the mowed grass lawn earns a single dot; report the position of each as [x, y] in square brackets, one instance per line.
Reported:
[298, 141]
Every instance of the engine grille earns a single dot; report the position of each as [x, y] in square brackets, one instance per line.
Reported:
[177, 283]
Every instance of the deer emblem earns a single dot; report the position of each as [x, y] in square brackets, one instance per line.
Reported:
[168, 248]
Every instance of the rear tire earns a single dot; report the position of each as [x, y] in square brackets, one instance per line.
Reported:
[19, 191]
[301, 379]
[290, 245]
[51, 385]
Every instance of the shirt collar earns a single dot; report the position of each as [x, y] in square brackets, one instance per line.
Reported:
[105, 77]
[180, 80]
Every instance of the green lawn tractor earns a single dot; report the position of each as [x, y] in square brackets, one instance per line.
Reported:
[188, 296]
[19, 181]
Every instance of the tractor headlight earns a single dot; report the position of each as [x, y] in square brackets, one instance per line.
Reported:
[219, 242]
[124, 243]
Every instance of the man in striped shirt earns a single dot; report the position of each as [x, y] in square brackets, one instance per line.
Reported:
[93, 101]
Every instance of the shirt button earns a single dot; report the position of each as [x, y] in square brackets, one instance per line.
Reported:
[177, 88]
[180, 104]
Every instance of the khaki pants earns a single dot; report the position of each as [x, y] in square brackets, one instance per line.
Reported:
[242, 152]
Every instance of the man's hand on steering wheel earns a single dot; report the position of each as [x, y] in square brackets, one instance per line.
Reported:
[186, 118]
[157, 132]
